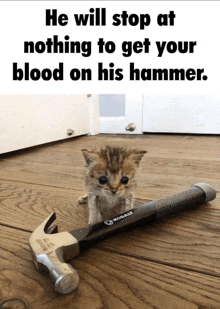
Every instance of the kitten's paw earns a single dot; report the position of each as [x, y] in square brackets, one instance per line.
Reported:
[94, 221]
[83, 199]
[129, 207]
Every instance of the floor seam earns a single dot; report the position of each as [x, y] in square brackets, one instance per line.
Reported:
[38, 184]
[15, 228]
[161, 263]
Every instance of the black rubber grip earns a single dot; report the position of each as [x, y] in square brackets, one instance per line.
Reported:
[169, 205]
[93, 234]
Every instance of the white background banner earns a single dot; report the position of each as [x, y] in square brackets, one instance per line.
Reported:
[161, 47]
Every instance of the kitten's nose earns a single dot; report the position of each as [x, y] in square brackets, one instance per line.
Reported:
[113, 190]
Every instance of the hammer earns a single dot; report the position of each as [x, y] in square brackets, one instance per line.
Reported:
[51, 249]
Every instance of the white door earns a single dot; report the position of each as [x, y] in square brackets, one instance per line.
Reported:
[29, 120]
[121, 114]
[199, 114]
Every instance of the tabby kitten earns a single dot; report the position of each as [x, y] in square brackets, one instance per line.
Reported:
[110, 181]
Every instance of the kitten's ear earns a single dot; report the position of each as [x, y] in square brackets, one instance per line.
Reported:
[137, 155]
[89, 157]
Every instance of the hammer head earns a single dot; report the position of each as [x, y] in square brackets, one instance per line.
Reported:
[50, 250]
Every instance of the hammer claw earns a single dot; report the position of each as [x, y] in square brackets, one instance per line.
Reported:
[52, 230]
[47, 223]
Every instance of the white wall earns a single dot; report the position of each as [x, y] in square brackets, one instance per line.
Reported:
[199, 114]
[112, 105]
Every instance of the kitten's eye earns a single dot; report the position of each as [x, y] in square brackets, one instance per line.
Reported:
[124, 180]
[103, 180]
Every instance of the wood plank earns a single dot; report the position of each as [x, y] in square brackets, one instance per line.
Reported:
[152, 163]
[24, 206]
[172, 162]
[56, 175]
[188, 240]
[157, 186]
[107, 280]
[176, 145]
[152, 185]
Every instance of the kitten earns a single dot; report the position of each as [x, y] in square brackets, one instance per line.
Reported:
[110, 181]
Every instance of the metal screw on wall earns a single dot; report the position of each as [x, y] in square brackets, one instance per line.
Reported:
[130, 127]
[69, 132]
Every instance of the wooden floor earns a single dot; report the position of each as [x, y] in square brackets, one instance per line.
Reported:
[173, 264]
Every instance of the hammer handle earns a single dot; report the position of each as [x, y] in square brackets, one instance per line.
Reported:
[91, 235]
